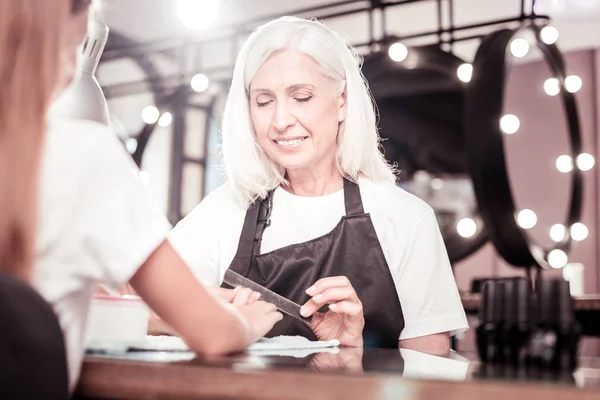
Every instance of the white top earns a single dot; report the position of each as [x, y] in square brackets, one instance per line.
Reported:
[98, 223]
[406, 226]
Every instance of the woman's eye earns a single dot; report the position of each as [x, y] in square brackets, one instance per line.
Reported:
[303, 99]
[262, 103]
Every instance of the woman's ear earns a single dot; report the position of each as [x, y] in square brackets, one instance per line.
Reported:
[342, 104]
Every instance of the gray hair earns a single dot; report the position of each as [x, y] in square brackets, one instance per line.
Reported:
[248, 169]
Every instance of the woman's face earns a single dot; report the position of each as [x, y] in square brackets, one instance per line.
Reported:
[75, 31]
[296, 111]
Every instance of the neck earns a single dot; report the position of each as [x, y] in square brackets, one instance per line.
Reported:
[313, 183]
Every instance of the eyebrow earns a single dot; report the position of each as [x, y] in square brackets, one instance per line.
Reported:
[289, 89]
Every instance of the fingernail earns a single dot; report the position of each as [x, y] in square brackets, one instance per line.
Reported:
[303, 311]
[257, 295]
[333, 307]
[318, 297]
[310, 290]
[235, 289]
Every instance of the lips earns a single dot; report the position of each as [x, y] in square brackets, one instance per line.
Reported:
[290, 143]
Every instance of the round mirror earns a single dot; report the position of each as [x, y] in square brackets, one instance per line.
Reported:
[513, 113]
[419, 93]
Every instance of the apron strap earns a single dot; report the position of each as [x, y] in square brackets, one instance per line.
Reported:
[352, 198]
[264, 220]
[243, 257]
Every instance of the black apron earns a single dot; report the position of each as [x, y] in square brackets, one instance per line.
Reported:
[351, 249]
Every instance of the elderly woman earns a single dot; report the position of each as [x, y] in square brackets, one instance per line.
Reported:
[311, 209]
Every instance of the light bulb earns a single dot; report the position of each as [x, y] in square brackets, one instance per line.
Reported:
[131, 145]
[510, 124]
[573, 83]
[465, 72]
[150, 114]
[437, 184]
[466, 227]
[200, 83]
[165, 119]
[519, 47]
[564, 164]
[197, 14]
[552, 86]
[549, 34]
[557, 258]
[398, 52]
[585, 161]
[579, 231]
[558, 232]
[526, 218]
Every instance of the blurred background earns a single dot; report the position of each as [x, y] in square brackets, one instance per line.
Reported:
[165, 74]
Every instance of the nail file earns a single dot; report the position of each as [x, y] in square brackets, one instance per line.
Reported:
[287, 306]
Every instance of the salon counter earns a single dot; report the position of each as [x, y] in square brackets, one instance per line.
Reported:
[349, 374]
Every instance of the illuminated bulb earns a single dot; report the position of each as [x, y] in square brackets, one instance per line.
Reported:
[585, 161]
[558, 232]
[557, 258]
[131, 145]
[197, 14]
[526, 219]
[552, 86]
[437, 184]
[466, 227]
[519, 47]
[549, 34]
[564, 164]
[573, 83]
[465, 72]
[165, 119]
[200, 83]
[398, 52]
[579, 231]
[510, 124]
[150, 114]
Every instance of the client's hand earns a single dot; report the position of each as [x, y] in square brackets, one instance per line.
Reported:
[238, 296]
[261, 317]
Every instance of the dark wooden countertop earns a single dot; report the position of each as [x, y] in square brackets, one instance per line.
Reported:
[375, 374]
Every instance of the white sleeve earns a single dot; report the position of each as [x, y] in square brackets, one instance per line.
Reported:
[426, 287]
[196, 239]
[120, 223]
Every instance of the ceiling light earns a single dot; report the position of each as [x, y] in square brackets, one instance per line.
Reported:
[197, 14]
[465, 72]
[573, 83]
[549, 34]
[398, 52]
[200, 83]
[519, 47]
[466, 227]
[150, 114]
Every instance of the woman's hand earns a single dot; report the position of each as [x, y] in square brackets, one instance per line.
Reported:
[238, 297]
[344, 321]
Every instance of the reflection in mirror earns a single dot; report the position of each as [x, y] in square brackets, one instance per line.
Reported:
[419, 93]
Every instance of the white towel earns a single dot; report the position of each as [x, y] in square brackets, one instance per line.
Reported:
[296, 346]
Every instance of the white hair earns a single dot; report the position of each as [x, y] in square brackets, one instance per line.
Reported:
[248, 169]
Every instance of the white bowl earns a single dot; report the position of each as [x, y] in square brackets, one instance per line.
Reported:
[119, 319]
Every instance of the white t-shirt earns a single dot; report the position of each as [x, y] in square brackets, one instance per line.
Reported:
[207, 240]
[98, 223]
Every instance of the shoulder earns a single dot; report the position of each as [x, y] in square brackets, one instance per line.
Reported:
[87, 144]
[387, 200]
